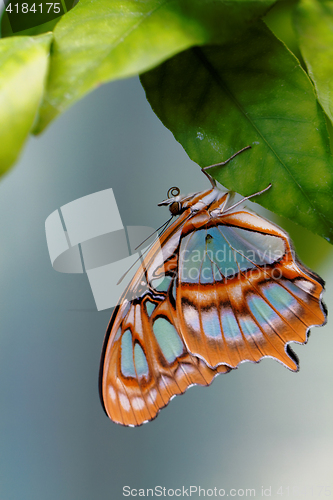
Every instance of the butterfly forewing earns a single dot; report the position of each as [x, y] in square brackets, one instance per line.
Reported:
[145, 361]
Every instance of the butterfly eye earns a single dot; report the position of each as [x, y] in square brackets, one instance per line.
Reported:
[175, 208]
[173, 191]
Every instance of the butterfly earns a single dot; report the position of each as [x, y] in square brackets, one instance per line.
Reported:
[221, 286]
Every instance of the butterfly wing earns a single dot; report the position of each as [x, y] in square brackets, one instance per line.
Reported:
[145, 361]
[241, 293]
[219, 289]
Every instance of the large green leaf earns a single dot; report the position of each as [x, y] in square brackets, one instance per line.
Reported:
[314, 25]
[216, 100]
[24, 63]
[102, 40]
[279, 19]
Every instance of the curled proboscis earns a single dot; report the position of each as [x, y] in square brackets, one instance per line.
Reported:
[173, 191]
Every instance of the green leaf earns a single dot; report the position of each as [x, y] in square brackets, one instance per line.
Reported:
[103, 40]
[279, 19]
[24, 63]
[314, 24]
[216, 100]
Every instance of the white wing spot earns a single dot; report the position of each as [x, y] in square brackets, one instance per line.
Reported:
[138, 403]
[192, 317]
[112, 393]
[124, 402]
[190, 369]
[306, 286]
[153, 394]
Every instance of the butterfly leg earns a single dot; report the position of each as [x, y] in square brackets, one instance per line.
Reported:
[247, 198]
[221, 164]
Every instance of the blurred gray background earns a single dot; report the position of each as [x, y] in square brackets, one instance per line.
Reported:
[260, 425]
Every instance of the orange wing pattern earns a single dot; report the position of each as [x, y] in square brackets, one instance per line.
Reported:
[146, 362]
[250, 304]
[220, 288]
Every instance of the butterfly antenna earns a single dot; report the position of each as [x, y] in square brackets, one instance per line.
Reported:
[247, 198]
[146, 250]
[164, 224]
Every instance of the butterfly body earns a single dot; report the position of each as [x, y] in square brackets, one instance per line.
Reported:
[222, 286]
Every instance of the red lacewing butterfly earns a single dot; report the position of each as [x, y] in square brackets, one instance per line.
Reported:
[220, 287]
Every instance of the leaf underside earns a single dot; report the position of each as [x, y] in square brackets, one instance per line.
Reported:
[218, 99]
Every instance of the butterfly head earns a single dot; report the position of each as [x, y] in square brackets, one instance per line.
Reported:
[173, 201]
[176, 202]
[196, 201]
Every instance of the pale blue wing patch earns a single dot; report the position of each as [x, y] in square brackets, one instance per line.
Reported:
[279, 298]
[250, 329]
[127, 363]
[211, 323]
[206, 271]
[161, 284]
[140, 360]
[300, 288]
[262, 312]
[237, 251]
[205, 257]
[150, 307]
[252, 246]
[168, 339]
[216, 272]
[208, 255]
[229, 325]
[220, 254]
